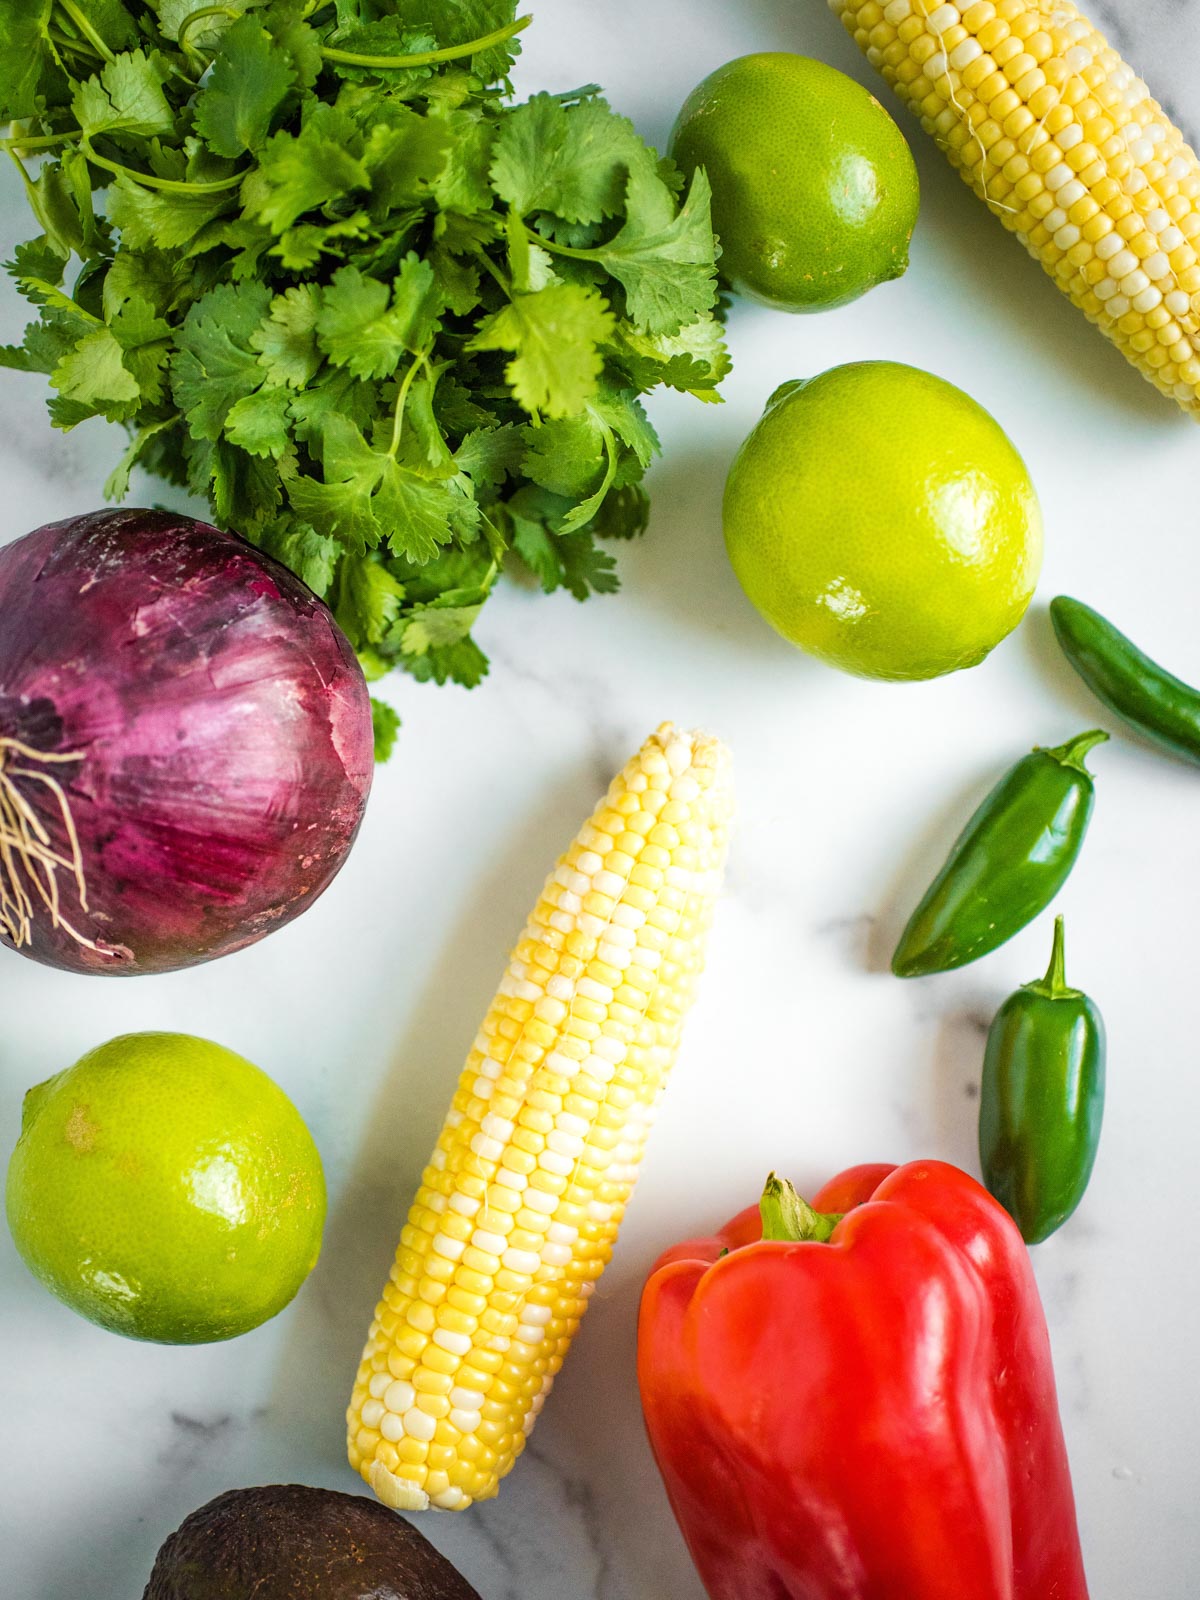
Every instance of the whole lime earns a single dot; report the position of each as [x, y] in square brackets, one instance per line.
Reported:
[166, 1189]
[882, 520]
[814, 189]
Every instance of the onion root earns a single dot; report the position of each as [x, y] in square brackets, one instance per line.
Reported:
[29, 862]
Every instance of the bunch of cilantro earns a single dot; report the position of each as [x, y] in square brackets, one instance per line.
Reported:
[328, 276]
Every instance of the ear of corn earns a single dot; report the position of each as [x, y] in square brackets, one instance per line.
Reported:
[519, 1206]
[1066, 145]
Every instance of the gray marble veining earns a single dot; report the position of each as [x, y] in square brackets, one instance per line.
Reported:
[803, 1053]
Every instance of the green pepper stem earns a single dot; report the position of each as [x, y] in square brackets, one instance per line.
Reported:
[785, 1216]
[1054, 985]
[1072, 753]
[1056, 973]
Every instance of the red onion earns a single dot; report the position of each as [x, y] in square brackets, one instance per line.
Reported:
[185, 743]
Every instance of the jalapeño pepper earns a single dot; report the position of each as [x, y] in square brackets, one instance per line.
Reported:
[1150, 699]
[1008, 863]
[1042, 1100]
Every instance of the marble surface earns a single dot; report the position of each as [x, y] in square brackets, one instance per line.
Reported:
[803, 1053]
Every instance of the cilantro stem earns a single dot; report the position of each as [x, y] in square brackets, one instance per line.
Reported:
[169, 185]
[566, 249]
[584, 92]
[193, 17]
[486, 261]
[89, 33]
[427, 58]
[42, 142]
[402, 397]
[64, 41]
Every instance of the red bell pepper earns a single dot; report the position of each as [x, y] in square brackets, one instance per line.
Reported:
[861, 1407]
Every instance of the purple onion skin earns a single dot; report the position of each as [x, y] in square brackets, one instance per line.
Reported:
[224, 727]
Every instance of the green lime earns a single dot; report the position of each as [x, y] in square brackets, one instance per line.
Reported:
[814, 188]
[166, 1189]
[882, 520]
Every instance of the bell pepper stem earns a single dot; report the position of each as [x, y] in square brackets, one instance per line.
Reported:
[785, 1216]
[1072, 753]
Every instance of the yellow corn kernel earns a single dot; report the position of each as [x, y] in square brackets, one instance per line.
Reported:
[519, 1208]
[1098, 158]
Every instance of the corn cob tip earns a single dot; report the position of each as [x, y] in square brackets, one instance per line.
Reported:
[519, 1206]
[1067, 146]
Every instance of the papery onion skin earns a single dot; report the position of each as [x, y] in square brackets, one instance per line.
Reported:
[223, 727]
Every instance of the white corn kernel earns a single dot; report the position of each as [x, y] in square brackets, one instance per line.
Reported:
[419, 1424]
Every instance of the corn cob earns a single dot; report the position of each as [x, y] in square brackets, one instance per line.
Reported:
[519, 1206]
[1065, 144]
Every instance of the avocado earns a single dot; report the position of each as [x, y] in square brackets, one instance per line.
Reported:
[288, 1542]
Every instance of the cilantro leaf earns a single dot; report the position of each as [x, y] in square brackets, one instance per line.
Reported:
[301, 247]
[368, 497]
[302, 172]
[313, 559]
[570, 161]
[403, 157]
[463, 185]
[568, 561]
[215, 365]
[94, 373]
[435, 626]
[26, 57]
[586, 568]
[145, 341]
[488, 455]
[367, 327]
[622, 411]
[249, 82]
[37, 258]
[454, 21]
[665, 261]
[554, 336]
[368, 601]
[337, 394]
[15, 358]
[205, 33]
[47, 341]
[566, 455]
[150, 219]
[287, 341]
[127, 97]
[53, 204]
[624, 514]
[385, 724]
[258, 423]
[694, 360]
[463, 663]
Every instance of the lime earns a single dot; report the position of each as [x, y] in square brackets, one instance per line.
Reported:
[166, 1189]
[814, 187]
[882, 520]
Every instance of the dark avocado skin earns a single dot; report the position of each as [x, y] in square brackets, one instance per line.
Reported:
[288, 1542]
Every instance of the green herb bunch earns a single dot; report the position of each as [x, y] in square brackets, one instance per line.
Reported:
[391, 325]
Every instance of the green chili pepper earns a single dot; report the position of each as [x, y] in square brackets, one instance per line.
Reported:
[1008, 863]
[1158, 705]
[1042, 1100]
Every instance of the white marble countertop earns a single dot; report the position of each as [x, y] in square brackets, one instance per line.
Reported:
[803, 1054]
